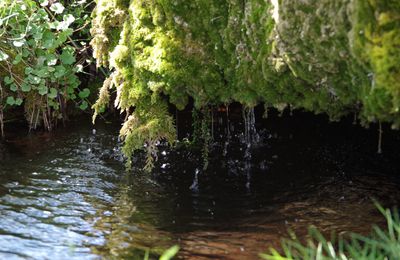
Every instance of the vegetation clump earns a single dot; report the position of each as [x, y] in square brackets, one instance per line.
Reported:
[39, 63]
[327, 57]
[381, 244]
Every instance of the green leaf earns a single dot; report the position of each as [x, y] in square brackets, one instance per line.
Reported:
[43, 72]
[53, 93]
[63, 36]
[43, 90]
[54, 105]
[84, 93]
[33, 43]
[37, 32]
[17, 59]
[10, 100]
[38, 36]
[84, 105]
[40, 61]
[25, 53]
[13, 87]
[48, 40]
[67, 57]
[34, 79]
[25, 87]
[8, 80]
[3, 56]
[70, 90]
[73, 81]
[18, 101]
[51, 59]
[58, 8]
[60, 71]
[28, 70]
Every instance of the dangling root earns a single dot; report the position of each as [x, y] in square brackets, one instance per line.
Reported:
[380, 138]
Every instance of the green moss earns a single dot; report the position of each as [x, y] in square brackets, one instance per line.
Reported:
[376, 36]
[334, 57]
[108, 16]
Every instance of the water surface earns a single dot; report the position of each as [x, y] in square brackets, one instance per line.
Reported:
[66, 195]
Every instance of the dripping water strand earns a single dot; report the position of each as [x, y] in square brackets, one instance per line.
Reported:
[195, 185]
[250, 138]
[228, 132]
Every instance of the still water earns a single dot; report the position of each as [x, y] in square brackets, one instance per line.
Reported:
[66, 195]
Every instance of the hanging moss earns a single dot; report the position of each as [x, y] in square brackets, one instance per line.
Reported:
[376, 36]
[334, 57]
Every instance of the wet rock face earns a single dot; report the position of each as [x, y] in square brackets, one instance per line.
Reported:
[334, 57]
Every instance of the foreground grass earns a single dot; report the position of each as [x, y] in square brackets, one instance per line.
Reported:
[167, 255]
[381, 244]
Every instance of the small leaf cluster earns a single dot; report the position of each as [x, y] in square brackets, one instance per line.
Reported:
[38, 58]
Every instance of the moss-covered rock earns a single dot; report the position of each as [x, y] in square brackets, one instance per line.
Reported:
[334, 57]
